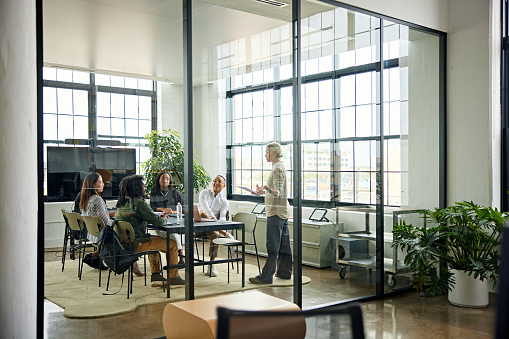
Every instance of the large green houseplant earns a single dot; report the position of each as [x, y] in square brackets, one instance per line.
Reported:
[168, 154]
[465, 237]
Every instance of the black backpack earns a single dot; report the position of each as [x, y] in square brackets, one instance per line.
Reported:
[114, 255]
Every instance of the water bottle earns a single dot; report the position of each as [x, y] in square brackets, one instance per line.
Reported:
[179, 211]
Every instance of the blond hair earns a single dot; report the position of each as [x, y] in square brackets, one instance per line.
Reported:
[275, 147]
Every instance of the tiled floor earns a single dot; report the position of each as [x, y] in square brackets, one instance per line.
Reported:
[404, 316]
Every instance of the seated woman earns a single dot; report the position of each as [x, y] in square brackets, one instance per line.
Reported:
[162, 198]
[91, 204]
[213, 205]
[131, 207]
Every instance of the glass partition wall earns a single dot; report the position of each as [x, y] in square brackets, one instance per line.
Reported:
[369, 127]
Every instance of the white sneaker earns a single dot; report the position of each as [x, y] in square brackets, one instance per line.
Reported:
[229, 236]
[214, 271]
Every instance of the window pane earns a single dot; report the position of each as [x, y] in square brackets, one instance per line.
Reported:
[363, 188]
[247, 105]
[286, 100]
[363, 88]
[145, 109]
[345, 151]
[49, 100]
[362, 155]
[237, 131]
[104, 126]
[117, 127]
[50, 127]
[80, 102]
[310, 96]
[247, 130]
[65, 127]
[131, 83]
[325, 94]
[64, 101]
[145, 84]
[81, 127]
[145, 127]
[117, 105]
[347, 122]
[347, 94]
[363, 125]
[131, 106]
[49, 73]
[257, 129]
[309, 186]
[310, 125]
[102, 80]
[237, 106]
[237, 157]
[64, 75]
[326, 124]
[345, 187]
[81, 77]
[287, 132]
[103, 104]
[117, 81]
[131, 127]
[309, 158]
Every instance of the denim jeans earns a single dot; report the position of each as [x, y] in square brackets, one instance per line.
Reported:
[278, 249]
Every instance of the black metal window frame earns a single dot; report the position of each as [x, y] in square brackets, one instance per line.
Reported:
[93, 90]
[277, 85]
[504, 180]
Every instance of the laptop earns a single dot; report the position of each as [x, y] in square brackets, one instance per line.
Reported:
[197, 217]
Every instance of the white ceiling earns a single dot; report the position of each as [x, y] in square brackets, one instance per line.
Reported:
[144, 37]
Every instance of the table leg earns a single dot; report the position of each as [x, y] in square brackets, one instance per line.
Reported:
[167, 263]
[243, 255]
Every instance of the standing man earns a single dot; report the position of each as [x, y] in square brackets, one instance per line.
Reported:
[279, 259]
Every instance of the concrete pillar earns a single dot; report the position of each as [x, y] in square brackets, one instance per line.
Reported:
[18, 169]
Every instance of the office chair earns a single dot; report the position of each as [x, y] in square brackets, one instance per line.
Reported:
[249, 220]
[126, 235]
[340, 322]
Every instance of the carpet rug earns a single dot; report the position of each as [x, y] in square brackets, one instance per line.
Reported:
[85, 299]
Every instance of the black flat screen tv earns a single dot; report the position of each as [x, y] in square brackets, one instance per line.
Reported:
[66, 166]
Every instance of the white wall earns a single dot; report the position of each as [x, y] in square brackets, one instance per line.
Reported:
[429, 13]
[422, 142]
[18, 137]
[469, 138]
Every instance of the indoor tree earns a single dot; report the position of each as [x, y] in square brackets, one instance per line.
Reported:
[168, 154]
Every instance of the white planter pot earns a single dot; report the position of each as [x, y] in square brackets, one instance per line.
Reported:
[469, 292]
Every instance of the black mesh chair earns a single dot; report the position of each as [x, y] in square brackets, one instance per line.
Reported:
[339, 322]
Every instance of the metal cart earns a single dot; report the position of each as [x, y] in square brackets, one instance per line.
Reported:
[392, 266]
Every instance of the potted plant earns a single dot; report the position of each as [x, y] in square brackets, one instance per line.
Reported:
[426, 248]
[168, 154]
[465, 237]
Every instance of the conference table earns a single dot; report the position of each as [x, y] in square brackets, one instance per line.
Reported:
[177, 226]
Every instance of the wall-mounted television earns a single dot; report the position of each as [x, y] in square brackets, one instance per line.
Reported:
[66, 165]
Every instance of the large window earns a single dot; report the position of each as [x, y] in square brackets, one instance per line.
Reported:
[339, 112]
[95, 109]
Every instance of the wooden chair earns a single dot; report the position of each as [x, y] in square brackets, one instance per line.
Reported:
[75, 223]
[94, 225]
